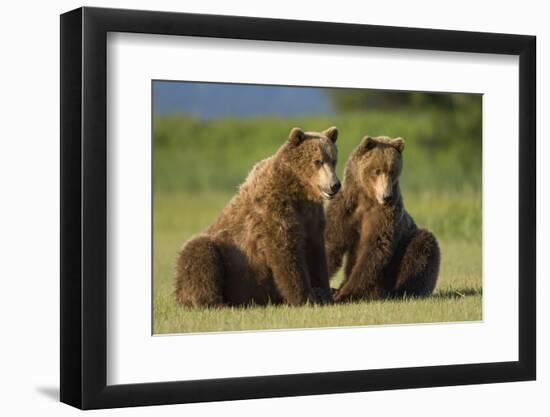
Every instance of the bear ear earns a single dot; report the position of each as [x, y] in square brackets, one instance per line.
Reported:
[368, 143]
[399, 144]
[331, 133]
[296, 136]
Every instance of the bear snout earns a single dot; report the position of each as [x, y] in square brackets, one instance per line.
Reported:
[335, 186]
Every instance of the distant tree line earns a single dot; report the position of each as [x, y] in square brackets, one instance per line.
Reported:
[452, 111]
[357, 100]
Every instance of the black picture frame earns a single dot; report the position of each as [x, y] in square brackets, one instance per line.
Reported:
[84, 207]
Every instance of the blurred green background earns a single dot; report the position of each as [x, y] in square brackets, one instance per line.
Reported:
[207, 137]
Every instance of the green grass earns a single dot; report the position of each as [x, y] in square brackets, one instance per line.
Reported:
[458, 296]
[199, 164]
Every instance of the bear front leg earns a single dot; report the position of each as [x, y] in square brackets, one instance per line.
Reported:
[336, 235]
[318, 273]
[335, 250]
[363, 281]
[290, 275]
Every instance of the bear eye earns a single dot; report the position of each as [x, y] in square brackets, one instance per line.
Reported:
[318, 163]
[377, 171]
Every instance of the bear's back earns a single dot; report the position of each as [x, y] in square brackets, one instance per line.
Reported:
[243, 208]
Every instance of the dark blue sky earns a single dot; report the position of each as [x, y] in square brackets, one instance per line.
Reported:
[211, 100]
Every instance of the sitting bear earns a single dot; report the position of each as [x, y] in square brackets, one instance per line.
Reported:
[267, 244]
[386, 254]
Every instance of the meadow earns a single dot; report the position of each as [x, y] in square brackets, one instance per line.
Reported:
[198, 164]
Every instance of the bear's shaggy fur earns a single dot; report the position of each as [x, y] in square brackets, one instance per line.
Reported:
[267, 244]
[386, 254]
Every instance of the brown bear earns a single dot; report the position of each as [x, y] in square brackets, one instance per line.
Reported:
[267, 244]
[386, 254]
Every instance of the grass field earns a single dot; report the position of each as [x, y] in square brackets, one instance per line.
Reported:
[197, 166]
[457, 296]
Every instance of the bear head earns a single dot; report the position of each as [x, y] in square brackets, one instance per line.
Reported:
[312, 156]
[376, 165]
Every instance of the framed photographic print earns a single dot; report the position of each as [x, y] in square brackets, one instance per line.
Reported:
[257, 207]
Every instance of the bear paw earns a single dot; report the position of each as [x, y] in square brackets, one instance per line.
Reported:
[322, 296]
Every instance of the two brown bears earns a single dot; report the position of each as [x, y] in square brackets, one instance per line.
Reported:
[271, 243]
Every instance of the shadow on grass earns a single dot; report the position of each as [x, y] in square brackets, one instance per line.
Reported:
[447, 294]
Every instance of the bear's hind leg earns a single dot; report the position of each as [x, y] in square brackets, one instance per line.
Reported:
[419, 267]
[199, 273]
